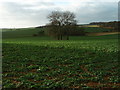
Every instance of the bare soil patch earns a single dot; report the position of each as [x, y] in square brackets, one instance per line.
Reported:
[102, 33]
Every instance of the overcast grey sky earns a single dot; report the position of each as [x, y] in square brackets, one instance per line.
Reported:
[30, 13]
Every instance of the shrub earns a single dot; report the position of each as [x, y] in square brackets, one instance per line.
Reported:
[35, 35]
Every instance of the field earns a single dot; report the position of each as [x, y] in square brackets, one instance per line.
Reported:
[25, 32]
[91, 26]
[102, 33]
[28, 32]
[96, 29]
[41, 62]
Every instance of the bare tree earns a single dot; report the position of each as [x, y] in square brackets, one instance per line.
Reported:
[60, 23]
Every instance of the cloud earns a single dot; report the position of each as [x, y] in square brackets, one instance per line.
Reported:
[23, 14]
[92, 12]
[34, 12]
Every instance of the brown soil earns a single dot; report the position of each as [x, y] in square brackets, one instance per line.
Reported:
[103, 33]
[93, 84]
[84, 69]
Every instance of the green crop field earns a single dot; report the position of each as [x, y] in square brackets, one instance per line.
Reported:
[97, 29]
[41, 62]
[25, 32]
[28, 32]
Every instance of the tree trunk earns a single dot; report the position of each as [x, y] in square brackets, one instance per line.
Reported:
[67, 37]
[58, 37]
[61, 37]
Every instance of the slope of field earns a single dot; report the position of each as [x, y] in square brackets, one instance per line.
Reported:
[27, 32]
[102, 33]
[97, 29]
[81, 62]
[90, 26]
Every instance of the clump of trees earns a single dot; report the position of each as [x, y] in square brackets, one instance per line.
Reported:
[62, 24]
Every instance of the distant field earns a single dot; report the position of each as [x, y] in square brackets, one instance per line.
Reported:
[91, 26]
[30, 31]
[97, 29]
[81, 62]
[27, 32]
[102, 33]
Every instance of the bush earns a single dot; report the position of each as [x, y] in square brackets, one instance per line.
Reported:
[35, 35]
[41, 32]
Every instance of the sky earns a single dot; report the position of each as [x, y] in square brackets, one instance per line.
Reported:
[32, 13]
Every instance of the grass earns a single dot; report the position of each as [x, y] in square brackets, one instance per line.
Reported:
[27, 32]
[81, 62]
